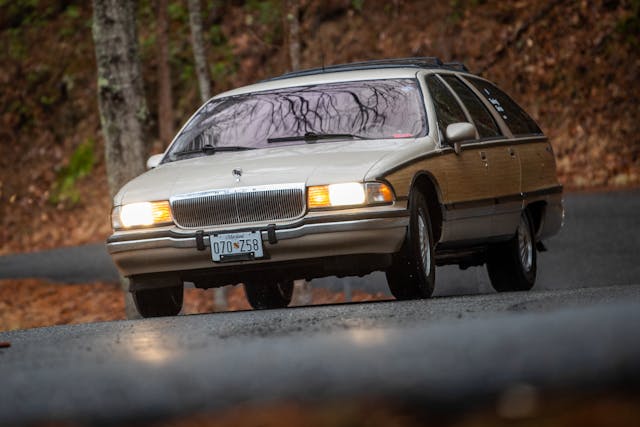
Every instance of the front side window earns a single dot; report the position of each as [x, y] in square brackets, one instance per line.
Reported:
[448, 110]
[372, 109]
[515, 117]
[486, 126]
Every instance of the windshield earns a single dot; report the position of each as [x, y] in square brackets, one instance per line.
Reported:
[371, 109]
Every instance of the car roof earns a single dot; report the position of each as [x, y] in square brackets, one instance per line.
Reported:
[413, 62]
[367, 70]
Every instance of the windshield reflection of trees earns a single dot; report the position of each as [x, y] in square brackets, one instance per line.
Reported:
[372, 109]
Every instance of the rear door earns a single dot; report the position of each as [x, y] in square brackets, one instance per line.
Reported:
[534, 152]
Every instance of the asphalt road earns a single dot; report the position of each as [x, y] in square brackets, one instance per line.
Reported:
[446, 350]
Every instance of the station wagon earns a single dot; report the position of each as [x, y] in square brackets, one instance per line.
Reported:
[394, 165]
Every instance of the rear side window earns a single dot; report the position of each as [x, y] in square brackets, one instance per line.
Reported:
[486, 126]
[447, 108]
[515, 117]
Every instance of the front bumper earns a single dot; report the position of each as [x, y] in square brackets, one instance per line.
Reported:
[379, 230]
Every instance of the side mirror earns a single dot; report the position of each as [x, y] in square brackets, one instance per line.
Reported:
[458, 132]
[154, 161]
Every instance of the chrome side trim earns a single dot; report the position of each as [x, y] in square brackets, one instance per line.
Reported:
[519, 197]
[283, 234]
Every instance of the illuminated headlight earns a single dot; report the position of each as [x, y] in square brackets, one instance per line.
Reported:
[143, 214]
[348, 194]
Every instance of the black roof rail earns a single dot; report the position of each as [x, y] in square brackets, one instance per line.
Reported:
[457, 66]
[414, 62]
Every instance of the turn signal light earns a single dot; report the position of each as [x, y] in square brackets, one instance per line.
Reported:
[318, 197]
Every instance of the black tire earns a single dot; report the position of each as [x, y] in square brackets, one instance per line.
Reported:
[412, 275]
[159, 302]
[512, 265]
[269, 295]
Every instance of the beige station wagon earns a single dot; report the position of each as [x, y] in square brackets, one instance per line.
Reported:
[395, 165]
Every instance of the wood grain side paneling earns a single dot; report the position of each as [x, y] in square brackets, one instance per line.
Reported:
[538, 166]
[504, 169]
[463, 177]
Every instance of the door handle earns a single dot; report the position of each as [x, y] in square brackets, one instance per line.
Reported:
[483, 157]
[512, 152]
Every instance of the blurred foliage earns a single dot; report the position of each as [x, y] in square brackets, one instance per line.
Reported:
[459, 7]
[80, 165]
[18, 13]
[178, 11]
[225, 65]
[16, 48]
[358, 4]
[629, 26]
[267, 14]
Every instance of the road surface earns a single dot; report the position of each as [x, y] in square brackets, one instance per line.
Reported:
[452, 350]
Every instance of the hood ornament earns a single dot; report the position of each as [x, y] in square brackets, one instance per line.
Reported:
[237, 174]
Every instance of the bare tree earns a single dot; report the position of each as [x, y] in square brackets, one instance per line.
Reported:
[293, 21]
[123, 109]
[165, 100]
[197, 43]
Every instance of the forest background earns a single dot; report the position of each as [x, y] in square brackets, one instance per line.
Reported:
[574, 65]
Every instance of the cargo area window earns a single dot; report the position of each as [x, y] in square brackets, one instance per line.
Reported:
[518, 121]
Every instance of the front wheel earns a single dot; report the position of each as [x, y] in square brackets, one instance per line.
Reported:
[158, 302]
[412, 274]
[269, 295]
[512, 265]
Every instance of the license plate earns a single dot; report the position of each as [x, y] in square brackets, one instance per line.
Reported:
[236, 246]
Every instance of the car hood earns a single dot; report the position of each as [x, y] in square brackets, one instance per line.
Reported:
[311, 164]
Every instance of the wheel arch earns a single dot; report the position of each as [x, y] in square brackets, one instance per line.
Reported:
[537, 210]
[426, 183]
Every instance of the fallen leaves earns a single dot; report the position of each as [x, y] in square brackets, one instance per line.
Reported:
[32, 303]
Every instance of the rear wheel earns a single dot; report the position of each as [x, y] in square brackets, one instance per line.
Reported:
[412, 274]
[269, 295]
[512, 265]
[158, 302]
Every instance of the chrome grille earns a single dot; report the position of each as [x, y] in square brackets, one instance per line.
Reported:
[239, 206]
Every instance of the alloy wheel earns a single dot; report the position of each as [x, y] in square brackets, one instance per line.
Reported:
[425, 246]
[525, 244]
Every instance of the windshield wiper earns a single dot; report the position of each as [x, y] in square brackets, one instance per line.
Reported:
[311, 137]
[211, 149]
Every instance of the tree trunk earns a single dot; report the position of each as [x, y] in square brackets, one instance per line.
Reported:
[197, 44]
[123, 110]
[165, 100]
[294, 33]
